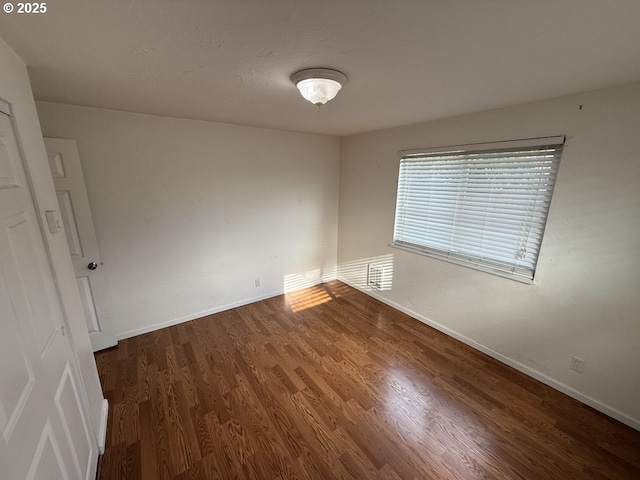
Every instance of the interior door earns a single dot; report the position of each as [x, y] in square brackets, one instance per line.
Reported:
[66, 170]
[44, 428]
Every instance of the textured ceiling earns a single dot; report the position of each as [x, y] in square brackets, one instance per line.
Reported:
[407, 60]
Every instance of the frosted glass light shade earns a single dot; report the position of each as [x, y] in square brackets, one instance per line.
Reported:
[319, 85]
[318, 90]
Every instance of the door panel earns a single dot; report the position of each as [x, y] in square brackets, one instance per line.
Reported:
[69, 222]
[47, 462]
[16, 375]
[88, 304]
[7, 166]
[74, 422]
[43, 419]
[55, 165]
[18, 240]
[66, 170]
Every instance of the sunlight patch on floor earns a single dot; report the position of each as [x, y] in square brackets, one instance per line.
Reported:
[307, 298]
[303, 291]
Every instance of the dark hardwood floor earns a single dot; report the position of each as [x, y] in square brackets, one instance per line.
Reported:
[328, 383]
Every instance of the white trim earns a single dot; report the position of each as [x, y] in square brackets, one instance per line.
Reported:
[102, 433]
[193, 316]
[567, 390]
[92, 470]
[522, 143]
[204, 313]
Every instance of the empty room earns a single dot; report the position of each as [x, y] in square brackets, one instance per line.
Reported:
[319, 239]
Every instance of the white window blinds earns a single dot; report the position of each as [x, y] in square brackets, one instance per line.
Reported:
[483, 206]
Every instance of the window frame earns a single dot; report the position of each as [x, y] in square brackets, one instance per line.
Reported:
[467, 259]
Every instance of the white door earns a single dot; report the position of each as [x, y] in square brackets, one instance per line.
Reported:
[64, 162]
[44, 428]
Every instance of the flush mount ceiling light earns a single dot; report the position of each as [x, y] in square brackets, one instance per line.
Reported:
[319, 85]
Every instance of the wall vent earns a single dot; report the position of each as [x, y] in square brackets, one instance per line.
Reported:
[374, 277]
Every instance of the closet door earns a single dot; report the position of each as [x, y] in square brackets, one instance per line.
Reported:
[44, 429]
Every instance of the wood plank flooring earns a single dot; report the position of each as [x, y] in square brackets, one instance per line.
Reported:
[328, 383]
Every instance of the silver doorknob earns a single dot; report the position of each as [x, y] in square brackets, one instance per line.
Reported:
[92, 266]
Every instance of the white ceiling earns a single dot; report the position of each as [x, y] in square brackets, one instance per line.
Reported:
[407, 60]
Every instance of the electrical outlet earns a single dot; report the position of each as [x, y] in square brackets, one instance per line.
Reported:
[577, 364]
[257, 283]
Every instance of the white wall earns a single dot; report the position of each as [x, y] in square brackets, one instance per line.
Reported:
[188, 214]
[16, 90]
[586, 297]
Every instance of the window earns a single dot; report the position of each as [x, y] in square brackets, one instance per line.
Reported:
[484, 206]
